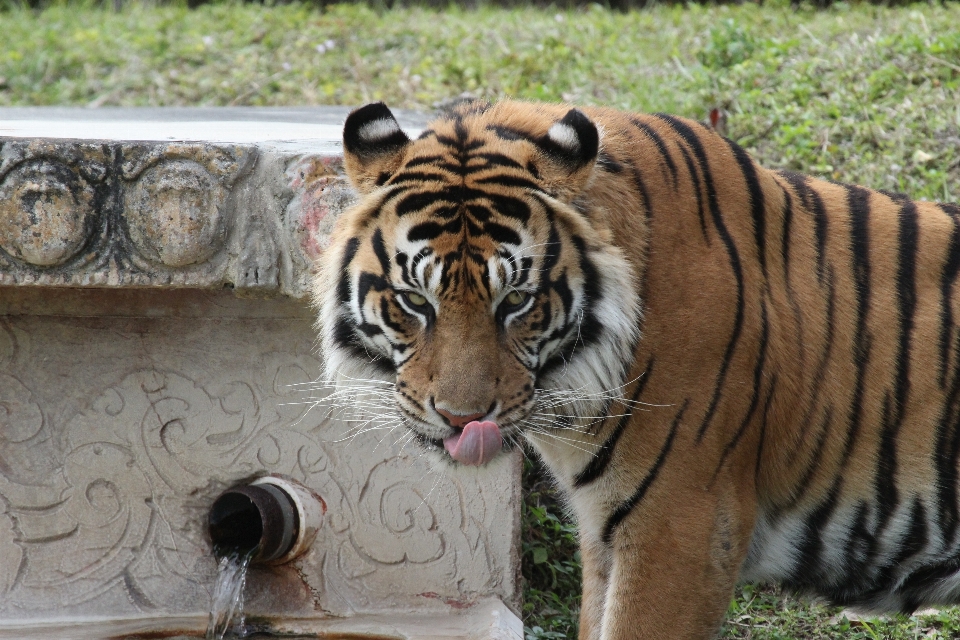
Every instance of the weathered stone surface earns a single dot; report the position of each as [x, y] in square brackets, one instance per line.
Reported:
[49, 202]
[176, 197]
[175, 201]
[133, 389]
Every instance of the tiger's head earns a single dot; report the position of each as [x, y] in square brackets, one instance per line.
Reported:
[470, 278]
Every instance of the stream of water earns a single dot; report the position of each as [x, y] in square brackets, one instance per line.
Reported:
[226, 606]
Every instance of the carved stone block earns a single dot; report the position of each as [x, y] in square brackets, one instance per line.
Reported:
[134, 388]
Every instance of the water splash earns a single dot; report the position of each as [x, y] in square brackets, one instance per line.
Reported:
[226, 605]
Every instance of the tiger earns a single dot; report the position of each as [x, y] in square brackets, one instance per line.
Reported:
[734, 374]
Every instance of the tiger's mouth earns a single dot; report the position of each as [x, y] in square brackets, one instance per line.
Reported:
[474, 444]
[477, 443]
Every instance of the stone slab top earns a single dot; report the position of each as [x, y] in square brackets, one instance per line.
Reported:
[316, 138]
[306, 129]
[334, 115]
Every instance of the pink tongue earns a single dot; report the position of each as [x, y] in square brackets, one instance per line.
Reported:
[477, 444]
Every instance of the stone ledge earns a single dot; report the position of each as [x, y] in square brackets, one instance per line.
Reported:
[488, 619]
[197, 198]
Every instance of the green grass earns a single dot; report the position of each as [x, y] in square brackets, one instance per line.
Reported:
[765, 614]
[550, 560]
[857, 93]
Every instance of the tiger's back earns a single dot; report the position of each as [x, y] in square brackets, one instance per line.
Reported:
[774, 357]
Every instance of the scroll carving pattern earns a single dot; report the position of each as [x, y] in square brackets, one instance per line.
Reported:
[120, 521]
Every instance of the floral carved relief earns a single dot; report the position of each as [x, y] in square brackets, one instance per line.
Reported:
[123, 518]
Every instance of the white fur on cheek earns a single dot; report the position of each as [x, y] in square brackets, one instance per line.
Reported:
[338, 362]
[597, 371]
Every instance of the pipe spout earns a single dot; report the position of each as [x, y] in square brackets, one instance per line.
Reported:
[274, 518]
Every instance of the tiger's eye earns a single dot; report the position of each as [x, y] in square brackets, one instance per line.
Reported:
[416, 299]
[516, 298]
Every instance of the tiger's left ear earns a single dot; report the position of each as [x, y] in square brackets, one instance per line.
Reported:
[570, 148]
[373, 146]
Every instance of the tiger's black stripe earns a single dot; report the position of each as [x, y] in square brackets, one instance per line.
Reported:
[695, 178]
[512, 182]
[858, 204]
[380, 250]
[642, 188]
[415, 177]
[691, 139]
[917, 536]
[947, 280]
[763, 427]
[813, 464]
[497, 160]
[343, 283]
[906, 287]
[625, 507]
[607, 162]
[946, 457]
[754, 394]
[416, 162]
[658, 142]
[601, 460]
[418, 201]
[813, 203]
[757, 205]
[787, 212]
[915, 541]
[590, 327]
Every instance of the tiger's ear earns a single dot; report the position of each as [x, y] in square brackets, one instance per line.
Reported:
[570, 148]
[373, 146]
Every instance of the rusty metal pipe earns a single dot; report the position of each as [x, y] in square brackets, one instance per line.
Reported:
[274, 518]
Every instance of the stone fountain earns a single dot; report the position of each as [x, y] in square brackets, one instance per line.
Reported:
[156, 347]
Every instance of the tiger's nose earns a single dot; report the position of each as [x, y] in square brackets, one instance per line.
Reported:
[458, 421]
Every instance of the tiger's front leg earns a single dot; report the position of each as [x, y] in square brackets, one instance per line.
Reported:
[596, 573]
[674, 564]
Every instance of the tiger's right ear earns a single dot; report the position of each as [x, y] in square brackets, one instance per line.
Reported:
[570, 148]
[373, 146]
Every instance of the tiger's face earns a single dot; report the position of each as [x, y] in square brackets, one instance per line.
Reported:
[466, 278]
